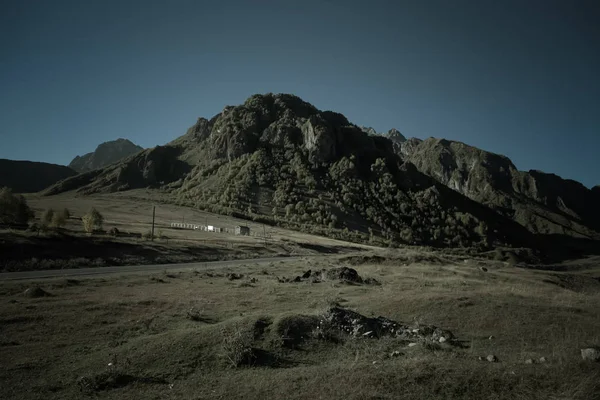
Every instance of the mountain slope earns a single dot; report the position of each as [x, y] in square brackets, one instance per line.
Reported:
[543, 203]
[29, 177]
[105, 154]
[279, 159]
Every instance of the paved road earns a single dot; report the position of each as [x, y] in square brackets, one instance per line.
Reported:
[60, 273]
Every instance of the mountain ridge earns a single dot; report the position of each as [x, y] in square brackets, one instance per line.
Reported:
[279, 159]
[31, 176]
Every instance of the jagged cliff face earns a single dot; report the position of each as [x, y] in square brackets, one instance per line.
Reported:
[105, 154]
[543, 203]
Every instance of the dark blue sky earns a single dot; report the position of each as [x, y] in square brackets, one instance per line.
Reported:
[518, 78]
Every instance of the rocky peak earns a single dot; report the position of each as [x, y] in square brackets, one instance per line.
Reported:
[105, 154]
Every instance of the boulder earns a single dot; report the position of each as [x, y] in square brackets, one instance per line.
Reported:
[591, 354]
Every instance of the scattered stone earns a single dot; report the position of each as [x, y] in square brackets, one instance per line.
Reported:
[491, 337]
[395, 353]
[492, 358]
[344, 274]
[233, 276]
[368, 334]
[483, 269]
[35, 292]
[480, 358]
[412, 344]
[591, 354]
[542, 359]
[529, 361]
[253, 280]
[442, 339]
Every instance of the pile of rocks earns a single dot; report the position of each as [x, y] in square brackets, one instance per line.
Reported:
[353, 324]
[343, 274]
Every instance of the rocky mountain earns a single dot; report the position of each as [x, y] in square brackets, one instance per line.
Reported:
[105, 154]
[279, 159]
[29, 177]
[543, 203]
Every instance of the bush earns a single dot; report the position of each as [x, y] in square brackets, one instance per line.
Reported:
[13, 208]
[237, 346]
[92, 221]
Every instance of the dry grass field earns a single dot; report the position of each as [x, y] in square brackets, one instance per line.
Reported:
[71, 247]
[176, 334]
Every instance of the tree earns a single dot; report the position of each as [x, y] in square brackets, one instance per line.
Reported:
[47, 217]
[58, 220]
[13, 208]
[92, 221]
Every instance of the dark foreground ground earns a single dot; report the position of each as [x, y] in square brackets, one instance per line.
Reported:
[257, 332]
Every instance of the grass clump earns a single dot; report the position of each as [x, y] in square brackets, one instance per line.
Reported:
[237, 345]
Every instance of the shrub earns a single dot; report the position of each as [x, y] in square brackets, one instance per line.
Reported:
[92, 221]
[13, 208]
[237, 346]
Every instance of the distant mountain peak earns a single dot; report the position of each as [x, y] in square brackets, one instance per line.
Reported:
[105, 154]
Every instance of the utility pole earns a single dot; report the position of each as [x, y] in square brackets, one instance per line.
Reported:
[153, 215]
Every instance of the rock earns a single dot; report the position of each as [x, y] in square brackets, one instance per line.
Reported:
[306, 275]
[590, 354]
[344, 274]
[354, 324]
[395, 353]
[442, 339]
[492, 358]
[35, 292]
[480, 358]
[529, 361]
[234, 276]
[483, 269]
[491, 337]
[542, 359]
[412, 344]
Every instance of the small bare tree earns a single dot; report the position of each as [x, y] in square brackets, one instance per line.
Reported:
[58, 220]
[92, 221]
[47, 217]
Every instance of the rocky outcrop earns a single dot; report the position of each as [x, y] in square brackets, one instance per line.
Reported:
[105, 154]
[543, 203]
[30, 177]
